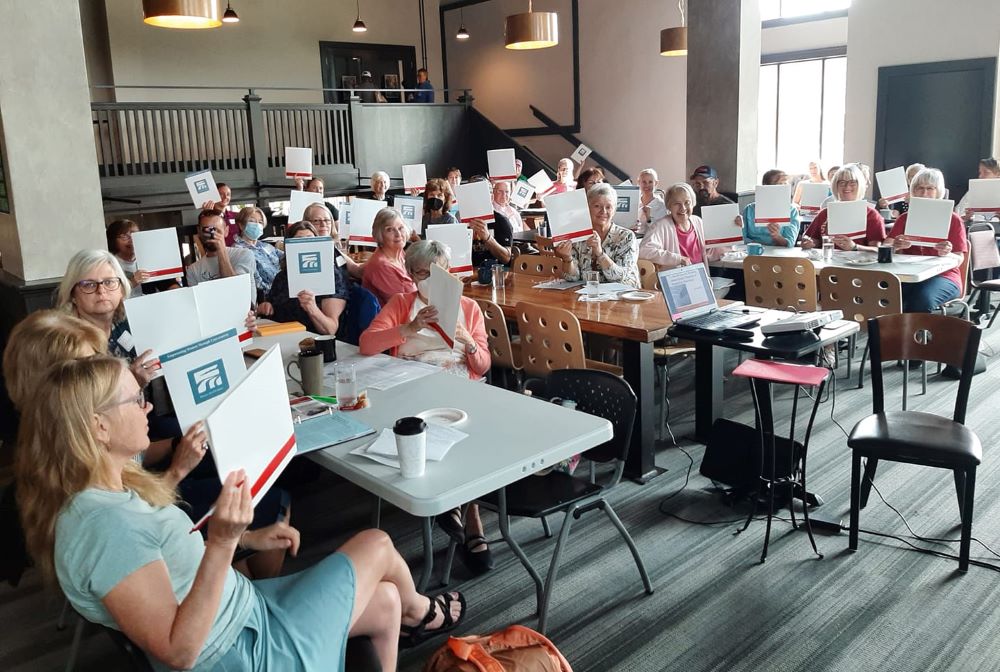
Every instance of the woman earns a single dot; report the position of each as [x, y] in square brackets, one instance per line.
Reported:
[815, 176]
[437, 197]
[651, 206]
[109, 532]
[925, 296]
[612, 250]
[319, 314]
[779, 235]
[678, 239]
[902, 206]
[319, 216]
[251, 222]
[385, 273]
[848, 185]
[380, 186]
[119, 234]
[404, 327]
[589, 178]
[989, 169]
[564, 176]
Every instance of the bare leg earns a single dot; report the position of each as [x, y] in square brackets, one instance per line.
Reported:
[380, 622]
[474, 526]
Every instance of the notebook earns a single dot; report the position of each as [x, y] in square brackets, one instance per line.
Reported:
[691, 302]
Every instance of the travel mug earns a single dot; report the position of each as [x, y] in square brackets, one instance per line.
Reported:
[411, 446]
[328, 346]
[885, 254]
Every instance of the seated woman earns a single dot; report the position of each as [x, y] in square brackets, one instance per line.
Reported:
[678, 239]
[848, 185]
[251, 222]
[380, 187]
[902, 206]
[109, 532]
[612, 250]
[319, 314]
[589, 177]
[923, 297]
[651, 206]
[119, 234]
[404, 328]
[773, 233]
[319, 216]
[385, 273]
[437, 202]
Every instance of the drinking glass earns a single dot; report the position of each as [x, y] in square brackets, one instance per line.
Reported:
[347, 384]
[827, 249]
[593, 280]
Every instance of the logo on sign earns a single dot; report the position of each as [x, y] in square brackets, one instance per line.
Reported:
[347, 217]
[309, 262]
[623, 203]
[208, 381]
[201, 186]
[409, 212]
[523, 192]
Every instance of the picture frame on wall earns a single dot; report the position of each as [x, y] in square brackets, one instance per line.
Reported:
[348, 82]
[390, 81]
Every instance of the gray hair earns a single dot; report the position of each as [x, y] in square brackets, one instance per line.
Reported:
[384, 175]
[928, 176]
[425, 253]
[601, 190]
[383, 220]
[851, 171]
[82, 264]
[912, 170]
[683, 187]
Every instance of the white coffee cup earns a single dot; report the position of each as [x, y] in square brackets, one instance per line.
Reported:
[411, 446]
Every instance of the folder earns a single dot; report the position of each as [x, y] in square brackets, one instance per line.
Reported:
[475, 201]
[298, 162]
[892, 184]
[415, 176]
[773, 203]
[928, 221]
[201, 186]
[569, 216]
[500, 164]
[847, 218]
[458, 238]
[445, 294]
[719, 225]
[158, 254]
[309, 262]
[626, 206]
[299, 201]
[411, 209]
[363, 211]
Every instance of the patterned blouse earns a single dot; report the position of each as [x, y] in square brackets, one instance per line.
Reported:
[268, 259]
[621, 247]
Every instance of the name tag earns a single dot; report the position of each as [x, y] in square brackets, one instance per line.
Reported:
[126, 340]
[340, 260]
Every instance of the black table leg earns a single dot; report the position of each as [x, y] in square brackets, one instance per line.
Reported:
[638, 371]
[708, 389]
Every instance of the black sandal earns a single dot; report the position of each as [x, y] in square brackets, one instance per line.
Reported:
[451, 523]
[413, 635]
[478, 562]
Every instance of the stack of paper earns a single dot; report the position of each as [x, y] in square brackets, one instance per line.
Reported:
[382, 372]
[440, 440]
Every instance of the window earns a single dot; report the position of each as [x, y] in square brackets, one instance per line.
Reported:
[787, 9]
[801, 114]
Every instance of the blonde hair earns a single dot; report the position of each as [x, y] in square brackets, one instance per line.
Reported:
[58, 455]
[384, 218]
[246, 213]
[651, 173]
[42, 339]
[82, 264]
[851, 171]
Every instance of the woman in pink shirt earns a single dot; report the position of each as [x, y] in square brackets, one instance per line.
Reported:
[677, 239]
[385, 273]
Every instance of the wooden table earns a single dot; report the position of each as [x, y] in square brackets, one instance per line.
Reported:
[636, 324]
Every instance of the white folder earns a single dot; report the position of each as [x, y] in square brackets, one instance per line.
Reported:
[310, 265]
[411, 209]
[363, 213]
[813, 195]
[298, 162]
[626, 206]
[458, 238]
[158, 254]
[415, 176]
[773, 203]
[892, 184]
[475, 201]
[223, 304]
[569, 216]
[299, 201]
[163, 321]
[500, 163]
[581, 153]
[847, 218]
[984, 196]
[541, 182]
[719, 225]
[445, 294]
[928, 220]
[202, 188]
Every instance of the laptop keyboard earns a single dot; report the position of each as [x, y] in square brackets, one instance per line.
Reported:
[712, 320]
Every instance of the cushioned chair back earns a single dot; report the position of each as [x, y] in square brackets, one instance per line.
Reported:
[647, 275]
[502, 351]
[780, 282]
[550, 339]
[362, 307]
[860, 293]
[602, 394]
[538, 264]
[983, 249]
[924, 337]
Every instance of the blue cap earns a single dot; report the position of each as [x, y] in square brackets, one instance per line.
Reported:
[704, 171]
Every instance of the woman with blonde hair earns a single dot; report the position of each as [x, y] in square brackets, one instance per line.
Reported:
[109, 533]
[385, 273]
[849, 184]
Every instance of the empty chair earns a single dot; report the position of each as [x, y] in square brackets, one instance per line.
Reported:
[984, 257]
[551, 339]
[780, 282]
[542, 265]
[505, 352]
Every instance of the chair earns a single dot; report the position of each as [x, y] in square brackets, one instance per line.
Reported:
[960, 306]
[780, 282]
[915, 437]
[551, 339]
[362, 307]
[984, 257]
[545, 245]
[647, 275]
[597, 393]
[505, 352]
[541, 265]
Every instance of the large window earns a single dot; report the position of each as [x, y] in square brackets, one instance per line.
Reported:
[801, 114]
[789, 9]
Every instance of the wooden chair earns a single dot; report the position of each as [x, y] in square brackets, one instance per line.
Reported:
[647, 275]
[505, 352]
[545, 245]
[541, 265]
[551, 339]
[780, 282]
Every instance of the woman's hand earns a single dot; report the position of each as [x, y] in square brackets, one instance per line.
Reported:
[774, 229]
[594, 243]
[943, 248]
[479, 230]
[300, 184]
[807, 243]
[251, 322]
[425, 317]
[843, 243]
[142, 369]
[307, 300]
[414, 237]
[646, 216]
[265, 309]
[564, 250]
[274, 536]
[684, 261]
[140, 276]
[901, 242]
[189, 451]
[233, 511]
[882, 204]
[462, 335]
[738, 222]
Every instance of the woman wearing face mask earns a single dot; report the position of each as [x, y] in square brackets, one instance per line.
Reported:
[848, 185]
[678, 239]
[251, 222]
[437, 197]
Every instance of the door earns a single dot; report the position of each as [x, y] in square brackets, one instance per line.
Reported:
[938, 114]
[391, 66]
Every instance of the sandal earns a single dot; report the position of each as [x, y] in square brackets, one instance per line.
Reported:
[478, 562]
[412, 635]
[451, 523]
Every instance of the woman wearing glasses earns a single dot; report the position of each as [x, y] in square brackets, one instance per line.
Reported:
[119, 234]
[849, 184]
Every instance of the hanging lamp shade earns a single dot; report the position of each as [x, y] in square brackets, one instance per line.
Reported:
[185, 14]
[533, 30]
[359, 25]
[462, 33]
[230, 16]
[674, 41]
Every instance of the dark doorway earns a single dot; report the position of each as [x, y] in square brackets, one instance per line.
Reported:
[391, 66]
[938, 114]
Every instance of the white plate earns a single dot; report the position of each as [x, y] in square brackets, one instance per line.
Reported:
[448, 417]
[636, 296]
[863, 262]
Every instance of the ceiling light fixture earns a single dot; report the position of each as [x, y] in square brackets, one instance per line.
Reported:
[462, 33]
[359, 25]
[674, 41]
[534, 30]
[230, 15]
[185, 14]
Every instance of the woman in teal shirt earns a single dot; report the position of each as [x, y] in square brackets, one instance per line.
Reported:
[780, 235]
[125, 557]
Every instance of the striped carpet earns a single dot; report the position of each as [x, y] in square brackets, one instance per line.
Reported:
[714, 607]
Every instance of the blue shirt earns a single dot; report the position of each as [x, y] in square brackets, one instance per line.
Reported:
[268, 259]
[426, 93]
[754, 233]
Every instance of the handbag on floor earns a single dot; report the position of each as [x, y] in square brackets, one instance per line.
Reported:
[513, 649]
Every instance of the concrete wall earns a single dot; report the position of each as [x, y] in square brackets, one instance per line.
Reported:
[806, 35]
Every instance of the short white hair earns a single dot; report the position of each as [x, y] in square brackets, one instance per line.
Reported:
[384, 175]
[851, 171]
[928, 176]
[684, 187]
[79, 267]
[601, 190]
[425, 253]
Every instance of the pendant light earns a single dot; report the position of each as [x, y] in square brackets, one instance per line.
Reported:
[359, 25]
[462, 33]
[674, 41]
[230, 15]
[186, 14]
[534, 30]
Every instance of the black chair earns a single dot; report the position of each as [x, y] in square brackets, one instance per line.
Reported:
[598, 393]
[911, 436]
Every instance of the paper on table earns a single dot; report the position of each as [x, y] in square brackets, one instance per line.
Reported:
[847, 218]
[773, 204]
[984, 196]
[813, 195]
[411, 209]
[363, 213]
[415, 176]
[521, 193]
[157, 253]
[444, 292]
[719, 224]
[440, 440]
[569, 216]
[299, 201]
[559, 284]
[202, 188]
[223, 304]
[626, 207]
[298, 162]
[382, 372]
[609, 288]
[264, 447]
[310, 265]
[541, 182]
[892, 184]
[458, 238]
[500, 163]
[581, 153]
[475, 201]
[928, 220]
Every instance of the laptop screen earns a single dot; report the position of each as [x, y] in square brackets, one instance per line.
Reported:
[687, 291]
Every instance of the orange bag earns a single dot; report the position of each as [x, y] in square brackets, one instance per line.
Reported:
[514, 649]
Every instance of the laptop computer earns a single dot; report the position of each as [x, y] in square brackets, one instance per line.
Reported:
[691, 301]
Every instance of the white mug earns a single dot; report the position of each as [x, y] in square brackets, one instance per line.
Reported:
[411, 446]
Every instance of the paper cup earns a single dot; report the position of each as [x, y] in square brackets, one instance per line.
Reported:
[411, 446]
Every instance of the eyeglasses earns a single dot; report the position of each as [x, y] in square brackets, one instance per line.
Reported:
[421, 275]
[139, 400]
[847, 183]
[323, 220]
[124, 236]
[90, 286]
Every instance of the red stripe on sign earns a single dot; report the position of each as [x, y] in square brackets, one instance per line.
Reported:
[165, 271]
[925, 239]
[437, 327]
[364, 239]
[460, 269]
[273, 465]
[417, 188]
[298, 175]
[486, 219]
[810, 208]
[772, 220]
[576, 234]
[246, 336]
[503, 177]
[713, 241]
[896, 198]
[994, 210]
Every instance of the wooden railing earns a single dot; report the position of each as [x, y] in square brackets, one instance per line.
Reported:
[325, 128]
